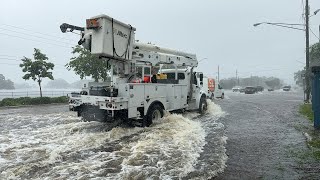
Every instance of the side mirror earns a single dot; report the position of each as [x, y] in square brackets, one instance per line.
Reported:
[201, 78]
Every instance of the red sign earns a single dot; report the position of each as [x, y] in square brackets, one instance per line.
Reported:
[211, 84]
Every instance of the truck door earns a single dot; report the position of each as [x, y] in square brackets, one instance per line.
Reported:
[218, 91]
[197, 85]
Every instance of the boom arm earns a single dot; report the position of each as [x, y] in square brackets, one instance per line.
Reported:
[64, 27]
[107, 37]
[157, 55]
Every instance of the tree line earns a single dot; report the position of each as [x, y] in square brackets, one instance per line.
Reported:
[5, 84]
[267, 82]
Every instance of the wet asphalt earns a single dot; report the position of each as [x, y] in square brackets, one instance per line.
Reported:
[262, 134]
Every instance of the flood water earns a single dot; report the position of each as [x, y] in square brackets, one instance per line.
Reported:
[51, 143]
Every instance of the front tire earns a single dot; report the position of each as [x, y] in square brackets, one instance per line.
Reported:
[222, 96]
[154, 114]
[203, 105]
[212, 97]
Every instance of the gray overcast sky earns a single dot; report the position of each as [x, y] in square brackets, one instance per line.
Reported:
[221, 31]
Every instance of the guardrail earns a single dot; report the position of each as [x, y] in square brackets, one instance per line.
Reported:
[17, 94]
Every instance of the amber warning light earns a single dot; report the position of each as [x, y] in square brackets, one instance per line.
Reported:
[92, 23]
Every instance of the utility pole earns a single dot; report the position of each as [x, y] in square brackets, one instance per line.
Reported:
[236, 74]
[308, 88]
[237, 78]
[218, 74]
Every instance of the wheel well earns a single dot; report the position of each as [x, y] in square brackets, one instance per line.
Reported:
[156, 102]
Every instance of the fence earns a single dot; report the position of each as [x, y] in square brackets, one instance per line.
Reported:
[17, 94]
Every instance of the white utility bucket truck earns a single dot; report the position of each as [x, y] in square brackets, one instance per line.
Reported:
[145, 80]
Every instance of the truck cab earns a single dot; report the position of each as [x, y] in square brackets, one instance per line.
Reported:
[184, 77]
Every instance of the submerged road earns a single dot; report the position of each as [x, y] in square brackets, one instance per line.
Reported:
[262, 136]
[240, 137]
[48, 142]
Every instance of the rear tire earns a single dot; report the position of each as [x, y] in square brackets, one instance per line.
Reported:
[154, 114]
[203, 105]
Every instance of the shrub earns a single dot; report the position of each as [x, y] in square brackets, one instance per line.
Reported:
[61, 99]
[24, 100]
[9, 102]
[306, 110]
[32, 101]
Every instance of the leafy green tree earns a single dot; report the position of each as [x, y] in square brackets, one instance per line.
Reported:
[85, 64]
[314, 57]
[38, 68]
[298, 77]
[5, 84]
[315, 53]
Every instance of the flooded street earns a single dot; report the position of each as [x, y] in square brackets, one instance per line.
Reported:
[49, 142]
[240, 137]
[264, 137]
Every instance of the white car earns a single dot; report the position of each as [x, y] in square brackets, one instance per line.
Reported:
[236, 89]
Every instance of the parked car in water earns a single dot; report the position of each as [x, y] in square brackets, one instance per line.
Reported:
[270, 89]
[286, 88]
[236, 89]
[250, 90]
[260, 88]
[242, 90]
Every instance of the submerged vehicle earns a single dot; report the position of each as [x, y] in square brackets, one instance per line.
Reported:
[286, 88]
[145, 80]
[236, 89]
[260, 88]
[250, 90]
[242, 90]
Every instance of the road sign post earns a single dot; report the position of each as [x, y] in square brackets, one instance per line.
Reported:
[316, 96]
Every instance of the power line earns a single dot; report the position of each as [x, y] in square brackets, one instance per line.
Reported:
[17, 27]
[10, 59]
[314, 34]
[34, 40]
[35, 36]
[9, 64]
[7, 55]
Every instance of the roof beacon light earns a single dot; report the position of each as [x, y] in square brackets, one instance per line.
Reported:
[92, 23]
